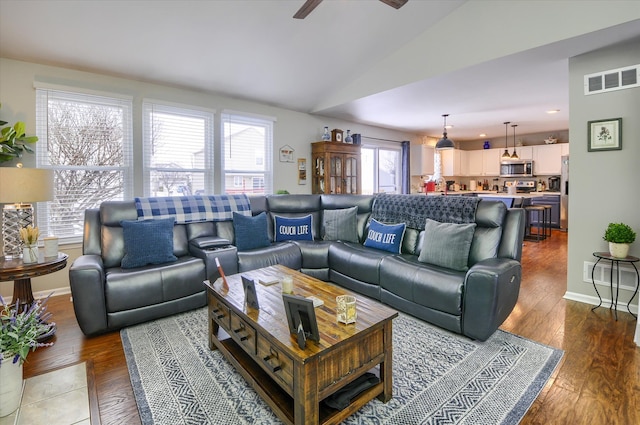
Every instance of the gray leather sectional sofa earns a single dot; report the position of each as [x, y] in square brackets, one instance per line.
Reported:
[471, 302]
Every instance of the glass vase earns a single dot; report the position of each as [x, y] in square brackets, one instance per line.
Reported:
[30, 254]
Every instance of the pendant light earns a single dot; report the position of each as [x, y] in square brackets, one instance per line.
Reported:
[506, 154]
[514, 155]
[444, 143]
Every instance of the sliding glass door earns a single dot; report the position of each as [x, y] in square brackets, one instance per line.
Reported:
[381, 166]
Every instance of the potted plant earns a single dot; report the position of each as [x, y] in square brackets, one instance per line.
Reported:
[14, 141]
[619, 236]
[21, 329]
[29, 236]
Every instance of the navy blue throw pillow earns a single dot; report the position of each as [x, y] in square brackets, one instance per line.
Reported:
[147, 242]
[294, 228]
[387, 237]
[251, 232]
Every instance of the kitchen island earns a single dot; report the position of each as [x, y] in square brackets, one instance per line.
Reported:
[517, 200]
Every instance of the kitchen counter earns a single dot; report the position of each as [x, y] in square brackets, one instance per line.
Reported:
[492, 194]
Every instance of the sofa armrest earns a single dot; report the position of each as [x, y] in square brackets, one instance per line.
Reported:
[227, 255]
[87, 280]
[490, 293]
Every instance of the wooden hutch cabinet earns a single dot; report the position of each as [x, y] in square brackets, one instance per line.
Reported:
[336, 168]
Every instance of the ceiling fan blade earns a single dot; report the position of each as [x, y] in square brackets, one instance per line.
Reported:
[307, 8]
[396, 4]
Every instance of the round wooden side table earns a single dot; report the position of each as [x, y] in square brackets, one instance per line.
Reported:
[21, 274]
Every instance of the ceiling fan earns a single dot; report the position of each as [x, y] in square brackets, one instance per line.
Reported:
[309, 5]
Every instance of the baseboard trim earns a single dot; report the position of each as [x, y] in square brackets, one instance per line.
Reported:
[43, 294]
[589, 299]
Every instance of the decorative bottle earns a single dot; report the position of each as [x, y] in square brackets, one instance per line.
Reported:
[326, 136]
[348, 139]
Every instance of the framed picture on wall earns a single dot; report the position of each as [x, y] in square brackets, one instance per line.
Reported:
[286, 153]
[605, 135]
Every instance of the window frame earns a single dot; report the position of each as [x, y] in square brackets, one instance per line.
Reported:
[243, 118]
[47, 92]
[150, 106]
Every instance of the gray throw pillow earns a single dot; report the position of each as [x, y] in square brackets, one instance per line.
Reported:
[447, 244]
[340, 225]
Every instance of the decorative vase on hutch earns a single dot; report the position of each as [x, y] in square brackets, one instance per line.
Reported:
[11, 388]
[348, 139]
[326, 136]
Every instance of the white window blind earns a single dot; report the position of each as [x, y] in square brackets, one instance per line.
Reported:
[178, 150]
[87, 140]
[247, 154]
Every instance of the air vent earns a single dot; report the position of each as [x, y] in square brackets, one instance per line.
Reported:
[615, 79]
[602, 275]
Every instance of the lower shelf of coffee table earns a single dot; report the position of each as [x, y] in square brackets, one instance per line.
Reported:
[278, 399]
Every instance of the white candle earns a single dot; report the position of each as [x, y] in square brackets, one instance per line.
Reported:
[287, 285]
[51, 246]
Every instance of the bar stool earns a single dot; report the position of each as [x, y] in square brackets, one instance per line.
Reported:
[537, 212]
[547, 219]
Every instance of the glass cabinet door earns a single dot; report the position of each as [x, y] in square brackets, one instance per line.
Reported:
[351, 175]
[318, 174]
[336, 174]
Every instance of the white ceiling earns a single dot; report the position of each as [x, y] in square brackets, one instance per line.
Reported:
[483, 62]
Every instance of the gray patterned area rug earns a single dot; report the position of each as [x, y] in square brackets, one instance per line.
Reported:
[438, 377]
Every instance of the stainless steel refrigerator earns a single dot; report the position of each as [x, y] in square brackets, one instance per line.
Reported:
[564, 194]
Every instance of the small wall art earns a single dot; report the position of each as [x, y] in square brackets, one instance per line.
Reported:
[605, 135]
[286, 153]
[302, 171]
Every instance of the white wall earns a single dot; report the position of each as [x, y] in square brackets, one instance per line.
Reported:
[604, 186]
[295, 129]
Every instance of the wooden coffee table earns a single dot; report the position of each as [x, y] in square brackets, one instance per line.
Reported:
[293, 381]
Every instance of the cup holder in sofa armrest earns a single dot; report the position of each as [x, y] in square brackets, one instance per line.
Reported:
[209, 242]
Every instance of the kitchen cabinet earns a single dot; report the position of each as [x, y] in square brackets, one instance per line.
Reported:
[450, 159]
[474, 163]
[564, 148]
[546, 159]
[483, 162]
[491, 162]
[524, 152]
[336, 168]
[422, 160]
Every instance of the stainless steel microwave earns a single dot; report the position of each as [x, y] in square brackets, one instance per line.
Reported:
[517, 168]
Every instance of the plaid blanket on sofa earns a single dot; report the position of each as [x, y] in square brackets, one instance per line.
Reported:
[415, 209]
[189, 209]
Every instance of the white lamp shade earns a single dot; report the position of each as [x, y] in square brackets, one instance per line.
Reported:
[25, 185]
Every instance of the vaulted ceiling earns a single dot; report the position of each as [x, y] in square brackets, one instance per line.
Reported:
[483, 62]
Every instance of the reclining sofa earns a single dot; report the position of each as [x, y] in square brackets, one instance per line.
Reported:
[468, 286]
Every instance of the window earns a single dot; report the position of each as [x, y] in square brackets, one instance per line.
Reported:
[178, 150]
[381, 167]
[247, 153]
[257, 183]
[87, 140]
[237, 181]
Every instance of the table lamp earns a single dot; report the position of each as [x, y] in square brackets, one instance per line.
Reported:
[19, 187]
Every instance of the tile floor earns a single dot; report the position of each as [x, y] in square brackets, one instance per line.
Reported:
[56, 398]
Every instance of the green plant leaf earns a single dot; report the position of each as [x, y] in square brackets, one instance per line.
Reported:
[28, 139]
[20, 128]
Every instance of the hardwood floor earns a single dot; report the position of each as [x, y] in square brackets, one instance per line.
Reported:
[598, 381]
